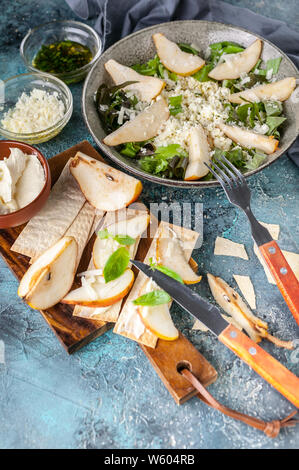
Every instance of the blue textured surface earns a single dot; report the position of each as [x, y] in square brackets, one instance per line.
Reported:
[107, 395]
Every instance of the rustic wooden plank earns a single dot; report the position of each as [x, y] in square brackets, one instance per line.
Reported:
[72, 332]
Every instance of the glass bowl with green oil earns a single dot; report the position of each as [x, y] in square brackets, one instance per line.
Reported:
[66, 49]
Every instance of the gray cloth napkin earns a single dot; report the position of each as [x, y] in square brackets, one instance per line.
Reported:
[115, 19]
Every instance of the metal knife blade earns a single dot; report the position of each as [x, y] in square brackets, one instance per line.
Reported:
[188, 299]
[262, 362]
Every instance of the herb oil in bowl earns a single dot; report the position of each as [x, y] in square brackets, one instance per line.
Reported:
[61, 57]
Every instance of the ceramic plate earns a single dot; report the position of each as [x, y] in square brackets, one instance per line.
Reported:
[139, 47]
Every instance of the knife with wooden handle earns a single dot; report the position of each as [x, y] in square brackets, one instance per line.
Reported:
[262, 362]
[286, 280]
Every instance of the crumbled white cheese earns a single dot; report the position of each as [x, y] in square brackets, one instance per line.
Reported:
[34, 112]
[202, 103]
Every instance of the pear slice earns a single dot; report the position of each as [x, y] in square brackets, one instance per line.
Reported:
[157, 318]
[101, 294]
[174, 59]
[237, 64]
[169, 253]
[250, 139]
[143, 127]
[51, 276]
[147, 87]
[104, 187]
[233, 304]
[277, 91]
[103, 248]
[199, 152]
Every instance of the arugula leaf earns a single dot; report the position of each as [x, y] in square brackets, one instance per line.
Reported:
[224, 47]
[273, 64]
[167, 161]
[202, 75]
[273, 108]
[130, 149]
[274, 122]
[121, 239]
[116, 264]
[243, 112]
[169, 272]
[175, 104]
[188, 48]
[156, 297]
[256, 160]
[154, 67]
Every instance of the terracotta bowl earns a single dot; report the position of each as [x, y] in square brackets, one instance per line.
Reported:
[26, 213]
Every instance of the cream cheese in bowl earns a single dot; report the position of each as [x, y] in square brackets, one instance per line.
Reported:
[22, 178]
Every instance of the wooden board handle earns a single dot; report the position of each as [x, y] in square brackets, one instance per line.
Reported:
[263, 363]
[169, 356]
[286, 280]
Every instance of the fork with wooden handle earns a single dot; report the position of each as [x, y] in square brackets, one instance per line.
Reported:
[238, 193]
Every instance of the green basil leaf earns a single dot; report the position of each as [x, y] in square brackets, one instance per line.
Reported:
[103, 234]
[124, 239]
[116, 264]
[169, 272]
[156, 297]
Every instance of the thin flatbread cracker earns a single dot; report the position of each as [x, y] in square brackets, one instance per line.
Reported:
[247, 289]
[129, 323]
[273, 229]
[50, 224]
[111, 313]
[226, 247]
[80, 228]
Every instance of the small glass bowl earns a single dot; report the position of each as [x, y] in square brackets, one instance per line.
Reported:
[13, 88]
[54, 31]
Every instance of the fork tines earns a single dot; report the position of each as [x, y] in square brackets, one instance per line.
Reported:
[222, 176]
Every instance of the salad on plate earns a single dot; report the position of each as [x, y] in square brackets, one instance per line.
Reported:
[178, 111]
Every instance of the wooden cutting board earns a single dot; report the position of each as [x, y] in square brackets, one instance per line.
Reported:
[75, 332]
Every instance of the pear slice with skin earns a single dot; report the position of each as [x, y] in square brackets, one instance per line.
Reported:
[248, 139]
[232, 303]
[157, 318]
[239, 63]
[174, 59]
[143, 127]
[99, 293]
[104, 187]
[199, 152]
[277, 91]
[51, 276]
[148, 88]
[133, 227]
[170, 253]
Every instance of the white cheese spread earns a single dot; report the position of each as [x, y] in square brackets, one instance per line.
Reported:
[21, 180]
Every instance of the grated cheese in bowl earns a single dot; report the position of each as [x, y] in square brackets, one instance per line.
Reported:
[34, 112]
